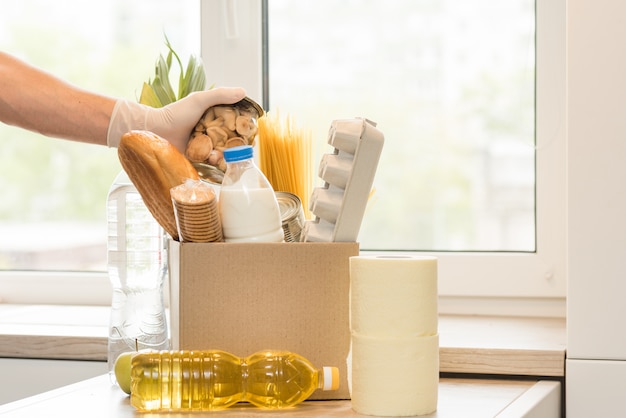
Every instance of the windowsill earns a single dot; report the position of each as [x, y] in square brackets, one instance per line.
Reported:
[468, 344]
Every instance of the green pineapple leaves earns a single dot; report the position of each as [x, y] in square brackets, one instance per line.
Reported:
[158, 92]
[194, 78]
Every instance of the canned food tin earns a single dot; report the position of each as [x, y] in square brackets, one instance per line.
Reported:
[292, 215]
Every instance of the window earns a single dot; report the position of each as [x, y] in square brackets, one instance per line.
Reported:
[506, 248]
[52, 211]
[476, 89]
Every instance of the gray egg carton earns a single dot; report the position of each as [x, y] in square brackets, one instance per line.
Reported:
[348, 174]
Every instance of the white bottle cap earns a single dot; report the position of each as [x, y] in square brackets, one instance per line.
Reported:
[331, 378]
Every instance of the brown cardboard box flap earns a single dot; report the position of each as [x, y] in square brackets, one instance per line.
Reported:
[247, 297]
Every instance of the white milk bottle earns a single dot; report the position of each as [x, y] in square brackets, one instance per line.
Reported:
[247, 203]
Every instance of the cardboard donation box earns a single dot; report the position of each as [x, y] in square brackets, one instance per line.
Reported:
[247, 297]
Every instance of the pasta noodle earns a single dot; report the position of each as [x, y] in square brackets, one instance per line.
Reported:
[285, 156]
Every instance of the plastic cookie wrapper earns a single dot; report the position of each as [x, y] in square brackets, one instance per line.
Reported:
[196, 211]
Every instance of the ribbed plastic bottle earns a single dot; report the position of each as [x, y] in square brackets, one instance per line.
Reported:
[248, 206]
[137, 267]
[214, 380]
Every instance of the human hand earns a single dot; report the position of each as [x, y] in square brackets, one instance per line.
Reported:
[174, 122]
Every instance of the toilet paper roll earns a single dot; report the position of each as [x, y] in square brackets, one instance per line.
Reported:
[395, 376]
[393, 296]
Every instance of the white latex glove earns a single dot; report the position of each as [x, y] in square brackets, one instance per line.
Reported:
[174, 122]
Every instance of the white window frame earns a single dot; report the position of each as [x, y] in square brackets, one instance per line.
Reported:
[474, 282]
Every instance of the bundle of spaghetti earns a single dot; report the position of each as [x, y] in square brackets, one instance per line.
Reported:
[285, 156]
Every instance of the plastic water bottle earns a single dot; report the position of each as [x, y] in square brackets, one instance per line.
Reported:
[137, 267]
[214, 380]
[247, 203]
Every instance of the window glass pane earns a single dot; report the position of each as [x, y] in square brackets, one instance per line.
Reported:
[52, 211]
[450, 84]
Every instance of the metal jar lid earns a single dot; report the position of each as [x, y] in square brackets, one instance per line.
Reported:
[208, 173]
[289, 205]
[247, 104]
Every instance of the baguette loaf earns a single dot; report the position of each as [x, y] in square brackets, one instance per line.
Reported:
[155, 166]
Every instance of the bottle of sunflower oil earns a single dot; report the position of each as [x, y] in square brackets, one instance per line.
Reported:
[280, 379]
[213, 380]
[185, 380]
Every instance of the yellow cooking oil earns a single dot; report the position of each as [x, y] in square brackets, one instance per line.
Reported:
[280, 379]
[213, 380]
[185, 380]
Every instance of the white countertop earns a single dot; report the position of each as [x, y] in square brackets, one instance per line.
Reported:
[467, 398]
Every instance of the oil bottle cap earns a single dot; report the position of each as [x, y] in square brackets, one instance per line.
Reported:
[331, 378]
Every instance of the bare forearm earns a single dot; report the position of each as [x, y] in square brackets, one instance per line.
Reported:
[35, 100]
[40, 102]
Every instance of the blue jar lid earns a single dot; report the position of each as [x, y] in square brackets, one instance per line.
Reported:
[242, 152]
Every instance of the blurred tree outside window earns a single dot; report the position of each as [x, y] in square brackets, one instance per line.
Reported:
[52, 211]
[451, 84]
